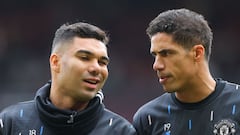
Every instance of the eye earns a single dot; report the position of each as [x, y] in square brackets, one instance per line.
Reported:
[153, 54]
[85, 58]
[164, 53]
[103, 62]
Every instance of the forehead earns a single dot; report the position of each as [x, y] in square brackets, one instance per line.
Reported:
[161, 41]
[90, 44]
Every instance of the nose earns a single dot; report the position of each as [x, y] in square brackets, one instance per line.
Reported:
[94, 68]
[158, 64]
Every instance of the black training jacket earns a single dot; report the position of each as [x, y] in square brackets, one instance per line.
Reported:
[41, 117]
[217, 114]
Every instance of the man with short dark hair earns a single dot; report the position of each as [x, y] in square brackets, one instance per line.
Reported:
[195, 103]
[71, 103]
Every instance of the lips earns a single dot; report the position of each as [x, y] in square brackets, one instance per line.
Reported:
[163, 79]
[92, 82]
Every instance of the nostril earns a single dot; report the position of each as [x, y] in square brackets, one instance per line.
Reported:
[94, 72]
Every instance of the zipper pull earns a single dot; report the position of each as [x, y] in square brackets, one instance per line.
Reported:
[71, 119]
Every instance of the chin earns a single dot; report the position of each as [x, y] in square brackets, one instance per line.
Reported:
[169, 90]
[85, 97]
[90, 95]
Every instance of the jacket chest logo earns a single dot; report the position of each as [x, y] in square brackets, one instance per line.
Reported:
[224, 127]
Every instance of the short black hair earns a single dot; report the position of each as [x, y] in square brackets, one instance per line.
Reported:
[187, 27]
[67, 32]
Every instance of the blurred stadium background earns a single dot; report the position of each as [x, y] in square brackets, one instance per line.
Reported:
[27, 28]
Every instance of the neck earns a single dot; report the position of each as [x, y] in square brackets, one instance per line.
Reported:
[200, 87]
[62, 101]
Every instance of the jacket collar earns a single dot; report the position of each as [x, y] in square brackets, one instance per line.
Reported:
[62, 121]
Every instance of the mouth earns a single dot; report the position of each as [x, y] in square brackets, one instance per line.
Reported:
[92, 82]
[163, 79]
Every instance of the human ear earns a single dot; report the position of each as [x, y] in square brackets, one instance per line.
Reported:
[199, 52]
[54, 62]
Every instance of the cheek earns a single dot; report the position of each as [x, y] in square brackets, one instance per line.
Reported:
[72, 70]
[186, 69]
[65, 64]
[180, 67]
[105, 73]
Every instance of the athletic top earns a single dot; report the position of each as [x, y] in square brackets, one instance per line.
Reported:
[218, 114]
[41, 117]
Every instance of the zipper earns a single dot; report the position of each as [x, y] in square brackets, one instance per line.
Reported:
[71, 118]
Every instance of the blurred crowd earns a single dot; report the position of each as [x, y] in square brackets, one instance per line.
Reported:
[27, 29]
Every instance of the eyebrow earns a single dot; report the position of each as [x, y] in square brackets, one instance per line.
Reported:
[90, 53]
[160, 51]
